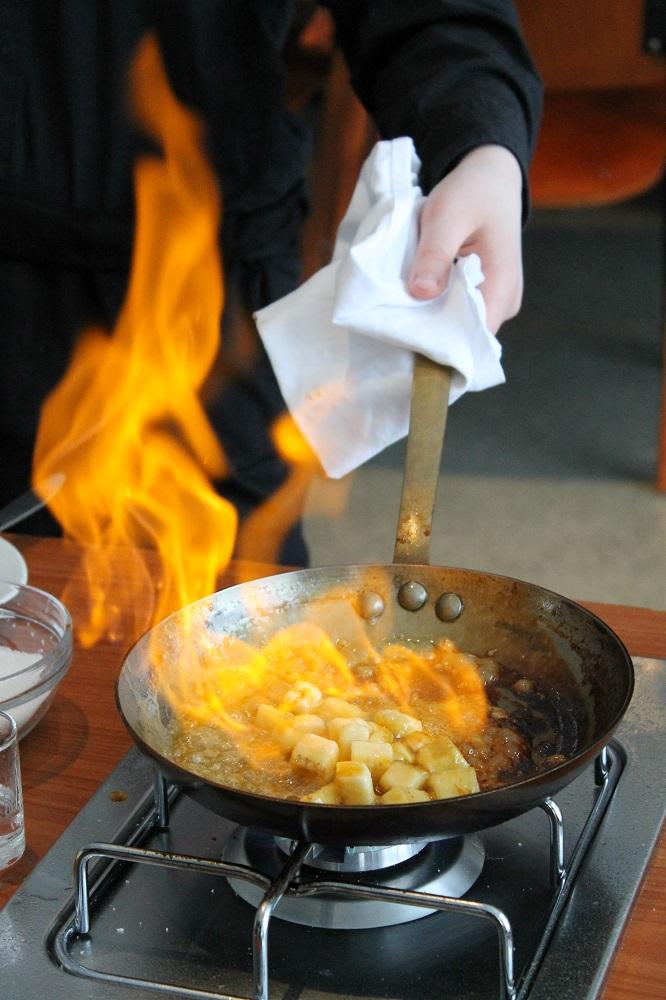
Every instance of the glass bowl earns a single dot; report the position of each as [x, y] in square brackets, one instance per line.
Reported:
[35, 651]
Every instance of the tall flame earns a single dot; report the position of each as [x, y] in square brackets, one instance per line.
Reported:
[262, 533]
[126, 425]
[128, 431]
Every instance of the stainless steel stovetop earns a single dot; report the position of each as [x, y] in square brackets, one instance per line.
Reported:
[543, 923]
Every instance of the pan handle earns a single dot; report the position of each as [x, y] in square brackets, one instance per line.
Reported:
[427, 421]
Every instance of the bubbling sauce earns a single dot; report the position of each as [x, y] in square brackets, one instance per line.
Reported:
[501, 723]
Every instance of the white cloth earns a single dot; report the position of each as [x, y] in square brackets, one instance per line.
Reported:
[342, 344]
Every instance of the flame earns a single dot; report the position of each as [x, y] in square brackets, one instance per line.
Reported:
[125, 425]
[128, 431]
[226, 674]
[228, 678]
[262, 533]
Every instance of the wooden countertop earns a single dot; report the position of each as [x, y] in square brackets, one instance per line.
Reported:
[81, 739]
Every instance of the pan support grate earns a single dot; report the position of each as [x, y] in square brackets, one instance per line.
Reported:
[80, 926]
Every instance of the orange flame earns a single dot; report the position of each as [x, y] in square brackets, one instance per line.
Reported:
[126, 425]
[228, 678]
[264, 530]
[127, 429]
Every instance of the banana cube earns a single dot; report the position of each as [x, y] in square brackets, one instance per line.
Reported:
[300, 726]
[327, 795]
[401, 775]
[380, 734]
[377, 757]
[354, 783]
[402, 752]
[331, 708]
[316, 754]
[270, 718]
[398, 796]
[453, 781]
[439, 755]
[399, 723]
[335, 726]
[353, 731]
[417, 740]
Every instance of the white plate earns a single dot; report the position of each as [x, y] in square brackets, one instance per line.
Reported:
[13, 568]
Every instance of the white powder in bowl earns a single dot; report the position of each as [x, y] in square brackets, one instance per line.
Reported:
[11, 662]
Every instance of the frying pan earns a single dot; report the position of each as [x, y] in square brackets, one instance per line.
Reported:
[572, 655]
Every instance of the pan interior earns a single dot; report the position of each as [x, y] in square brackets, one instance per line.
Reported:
[569, 652]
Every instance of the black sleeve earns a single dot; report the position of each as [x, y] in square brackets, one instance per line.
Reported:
[452, 74]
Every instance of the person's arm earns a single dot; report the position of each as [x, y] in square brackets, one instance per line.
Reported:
[456, 76]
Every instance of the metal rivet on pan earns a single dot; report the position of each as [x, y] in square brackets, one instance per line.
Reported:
[448, 607]
[371, 605]
[412, 596]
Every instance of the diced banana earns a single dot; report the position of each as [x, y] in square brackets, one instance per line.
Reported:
[316, 754]
[298, 727]
[401, 775]
[354, 783]
[354, 730]
[416, 740]
[398, 795]
[327, 795]
[270, 718]
[335, 726]
[303, 697]
[399, 723]
[377, 757]
[380, 734]
[331, 708]
[439, 755]
[453, 781]
[402, 752]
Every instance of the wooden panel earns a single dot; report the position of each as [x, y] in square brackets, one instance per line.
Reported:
[598, 147]
[593, 43]
[638, 970]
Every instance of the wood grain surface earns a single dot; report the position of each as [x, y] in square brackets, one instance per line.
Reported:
[81, 739]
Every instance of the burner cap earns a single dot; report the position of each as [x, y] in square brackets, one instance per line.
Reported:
[349, 860]
[445, 868]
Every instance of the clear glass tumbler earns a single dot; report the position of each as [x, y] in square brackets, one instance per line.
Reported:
[12, 827]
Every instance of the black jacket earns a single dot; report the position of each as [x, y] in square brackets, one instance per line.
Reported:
[451, 73]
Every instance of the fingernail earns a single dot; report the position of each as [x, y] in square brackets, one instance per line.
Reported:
[425, 283]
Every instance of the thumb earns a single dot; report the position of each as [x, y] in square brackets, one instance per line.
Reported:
[435, 252]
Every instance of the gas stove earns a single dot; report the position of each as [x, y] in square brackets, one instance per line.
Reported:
[169, 899]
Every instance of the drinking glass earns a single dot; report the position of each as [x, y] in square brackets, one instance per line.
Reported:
[12, 828]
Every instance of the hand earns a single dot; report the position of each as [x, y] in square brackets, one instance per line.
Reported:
[476, 208]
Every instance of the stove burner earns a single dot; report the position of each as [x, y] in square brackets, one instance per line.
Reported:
[445, 868]
[354, 859]
[222, 944]
[153, 914]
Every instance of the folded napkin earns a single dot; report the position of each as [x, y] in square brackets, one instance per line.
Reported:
[342, 344]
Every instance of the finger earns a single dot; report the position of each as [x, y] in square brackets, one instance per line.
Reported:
[430, 274]
[437, 247]
[502, 292]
